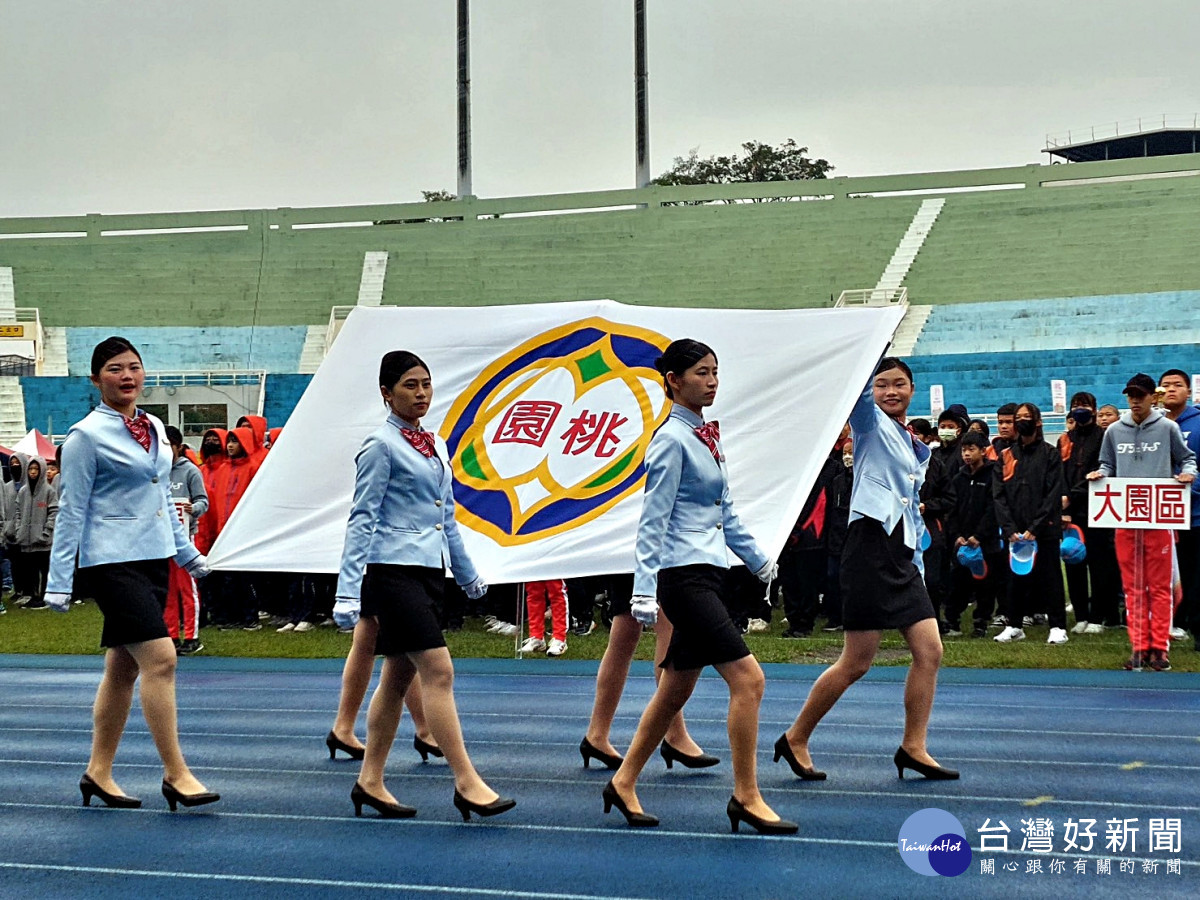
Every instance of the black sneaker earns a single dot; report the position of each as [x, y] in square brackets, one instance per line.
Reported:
[190, 646]
[253, 626]
[979, 632]
[36, 603]
[1159, 661]
[833, 628]
[583, 629]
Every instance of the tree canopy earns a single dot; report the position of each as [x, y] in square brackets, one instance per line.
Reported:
[759, 162]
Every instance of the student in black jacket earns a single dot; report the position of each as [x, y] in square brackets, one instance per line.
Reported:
[802, 563]
[837, 523]
[972, 522]
[1095, 607]
[1028, 488]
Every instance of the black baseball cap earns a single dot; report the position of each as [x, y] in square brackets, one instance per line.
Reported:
[1140, 383]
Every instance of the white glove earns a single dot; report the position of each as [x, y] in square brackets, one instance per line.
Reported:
[345, 611]
[198, 567]
[58, 602]
[768, 573]
[644, 609]
[476, 588]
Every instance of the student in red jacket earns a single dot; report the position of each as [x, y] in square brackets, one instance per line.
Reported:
[239, 603]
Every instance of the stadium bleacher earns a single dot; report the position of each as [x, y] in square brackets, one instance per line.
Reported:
[1084, 272]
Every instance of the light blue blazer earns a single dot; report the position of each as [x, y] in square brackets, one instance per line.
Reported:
[403, 510]
[687, 515]
[115, 504]
[889, 469]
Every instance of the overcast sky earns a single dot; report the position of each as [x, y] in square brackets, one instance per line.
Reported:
[140, 105]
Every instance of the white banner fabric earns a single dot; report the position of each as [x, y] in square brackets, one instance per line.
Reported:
[546, 410]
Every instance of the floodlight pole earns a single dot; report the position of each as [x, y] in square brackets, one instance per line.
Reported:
[464, 98]
[641, 94]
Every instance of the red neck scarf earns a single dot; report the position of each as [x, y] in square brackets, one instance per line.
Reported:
[422, 440]
[140, 428]
[710, 433]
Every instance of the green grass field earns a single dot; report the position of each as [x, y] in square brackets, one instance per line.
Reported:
[78, 632]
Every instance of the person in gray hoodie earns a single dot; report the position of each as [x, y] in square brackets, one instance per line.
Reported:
[1144, 443]
[37, 508]
[8, 532]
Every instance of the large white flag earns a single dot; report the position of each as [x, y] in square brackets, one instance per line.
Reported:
[546, 411]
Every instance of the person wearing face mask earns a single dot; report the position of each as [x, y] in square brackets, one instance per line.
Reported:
[37, 508]
[1092, 584]
[1175, 385]
[937, 499]
[1146, 444]
[212, 459]
[1028, 489]
[8, 509]
[239, 601]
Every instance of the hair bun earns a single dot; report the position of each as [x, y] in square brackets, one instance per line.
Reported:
[658, 364]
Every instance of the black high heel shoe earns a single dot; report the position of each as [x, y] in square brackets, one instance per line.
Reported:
[497, 806]
[738, 813]
[426, 749]
[632, 819]
[903, 761]
[672, 756]
[385, 808]
[334, 743]
[806, 773]
[588, 752]
[176, 797]
[90, 789]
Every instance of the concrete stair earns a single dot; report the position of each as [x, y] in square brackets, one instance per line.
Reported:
[910, 329]
[313, 352]
[910, 245]
[54, 352]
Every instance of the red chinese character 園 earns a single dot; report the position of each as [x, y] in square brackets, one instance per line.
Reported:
[527, 422]
[1108, 495]
[1139, 503]
[588, 430]
[1169, 504]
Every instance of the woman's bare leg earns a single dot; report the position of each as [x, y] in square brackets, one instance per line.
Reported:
[920, 686]
[356, 678]
[383, 716]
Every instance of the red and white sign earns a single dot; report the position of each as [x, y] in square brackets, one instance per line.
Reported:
[1147, 503]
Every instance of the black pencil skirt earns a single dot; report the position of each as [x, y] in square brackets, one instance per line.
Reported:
[407, 601]
[703, 635]
[881, 586]
[131, 595]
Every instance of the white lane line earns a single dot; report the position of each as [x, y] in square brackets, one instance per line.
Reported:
[302, 882]
[636, 833]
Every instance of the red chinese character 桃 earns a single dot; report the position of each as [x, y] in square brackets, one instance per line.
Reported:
[527, 422]
[588, 430]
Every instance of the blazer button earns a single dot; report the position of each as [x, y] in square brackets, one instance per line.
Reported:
[438, 526]
[154, 480]
[437, 502]
[718, 526]
[158, 512]
[716, 503]
[904, 500]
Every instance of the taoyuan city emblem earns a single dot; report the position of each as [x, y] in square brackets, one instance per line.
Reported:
[554, 432]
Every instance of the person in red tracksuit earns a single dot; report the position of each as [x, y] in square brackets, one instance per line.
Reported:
[183, 596]
[239, 605]
[537, 595]
[258, 425]
[212, 458]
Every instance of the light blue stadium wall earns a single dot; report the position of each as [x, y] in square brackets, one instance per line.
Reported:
[1169, 317]
[275, 348]
[984, 381]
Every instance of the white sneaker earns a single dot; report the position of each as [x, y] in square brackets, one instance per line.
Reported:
[1057, 636]
[757, 625]
[1094, 628]
[556, 648]
[1080, 627]
[1070, 608]
[1178, 634]
[1028, 620]
[533, 645]
[285, 629]
[1010, 634]
[507, 629]
[304, 626]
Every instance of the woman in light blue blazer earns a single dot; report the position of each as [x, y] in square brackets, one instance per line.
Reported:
[882, 576]
[116, 517]
[687, 522]
[401, 532]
